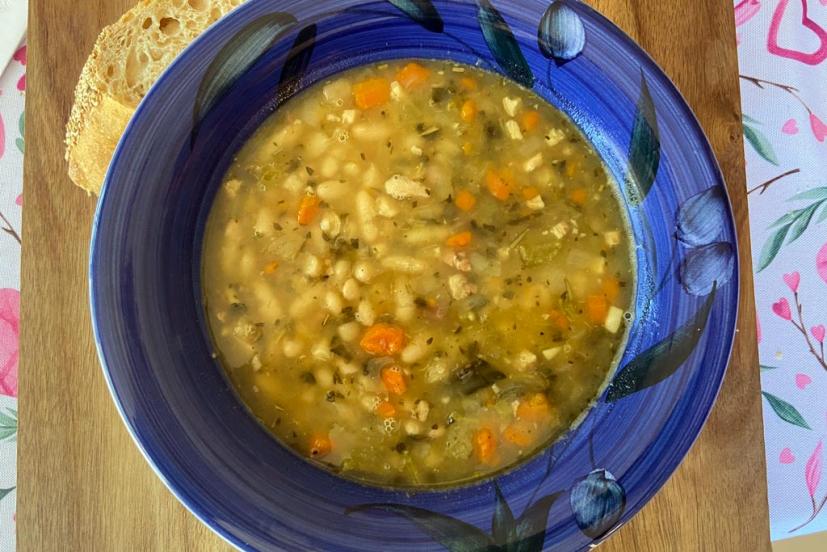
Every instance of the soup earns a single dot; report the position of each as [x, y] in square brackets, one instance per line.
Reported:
[417, 273]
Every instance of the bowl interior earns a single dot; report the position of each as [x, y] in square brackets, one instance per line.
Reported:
[153, 340]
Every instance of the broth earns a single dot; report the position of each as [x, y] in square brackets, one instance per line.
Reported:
[417, 273]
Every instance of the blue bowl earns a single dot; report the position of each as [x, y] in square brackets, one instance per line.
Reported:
[149, 320]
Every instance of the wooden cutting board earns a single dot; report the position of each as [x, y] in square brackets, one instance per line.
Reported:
[83, 485]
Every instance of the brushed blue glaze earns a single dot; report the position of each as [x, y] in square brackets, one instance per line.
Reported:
[150, 327]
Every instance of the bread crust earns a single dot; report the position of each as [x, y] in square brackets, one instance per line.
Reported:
[127, 58]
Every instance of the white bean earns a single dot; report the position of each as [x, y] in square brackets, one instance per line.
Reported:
[330, 224]
[329, 167]
[364, 272]
[336, 91]
[264, 221]
[401, 187]
[405, 306]
[349, 331]
[266, 301]
[347, 368]
[412, 427]
[312, 266]
[427, 234]
[351, 169]
[341, 270]
[372, 178]
[316, 144]
[370, 402]
[229, 258]
[331, 190]
[350, 290]
[293, 183]
[366, 211]
[247, 265]
[321, 350]
[365, 313]
[387, 207]
[422, 409]
[292, 348]
[333, 302]
[371, 132]
[324, 377]
[415, 351]
[408, 265]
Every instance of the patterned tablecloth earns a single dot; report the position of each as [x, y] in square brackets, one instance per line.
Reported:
[782, 47]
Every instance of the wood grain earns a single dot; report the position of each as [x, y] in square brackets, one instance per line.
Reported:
[83, 485]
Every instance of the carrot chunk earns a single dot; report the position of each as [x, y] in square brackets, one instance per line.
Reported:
[530, 192]
[386, 409]
[463, 239]
[394, 380]
[271, 267]
[597, 308]
[578, 196]
[465, 200]
[558, 320]
[485, 445]
[497, 185]
[468, 84]
[320, 445]
[413, 75]
[534, 408]
[518, 435]
[308, 209]
[468, 111]
[383, 339]
[371, 93]
[530, 120]
[611, 288]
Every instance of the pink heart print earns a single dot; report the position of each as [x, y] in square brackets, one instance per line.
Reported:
[786, 456]
[802, 381]
[821, 262]
[818, 332]
[819, 128]
[820, 34]
[792, 280]
[782, 309]
[790, 127]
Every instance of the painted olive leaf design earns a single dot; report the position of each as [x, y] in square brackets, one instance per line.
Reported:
[699, 217]
[5, 492]
[298, 60]
[531, 526]
[235, 58]
[598, 502]
[524, 534]
[502, 525]
[8, 425]
[707, 266]
[786, 411]
[423, 12]
[644, 148]
[20, 142]
[662, 359]
[503, 45]
[767, 367]
[792, 225]
[454, 534]
[561, 35]
[816, 194]
[758, 141]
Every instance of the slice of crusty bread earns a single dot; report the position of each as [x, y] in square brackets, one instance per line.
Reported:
[127, 59]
